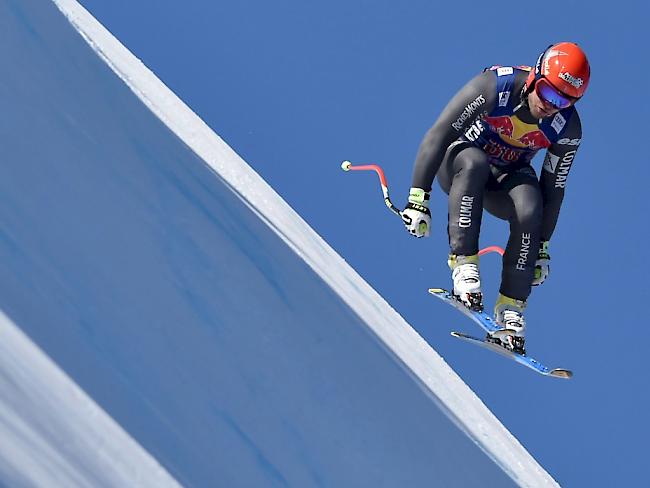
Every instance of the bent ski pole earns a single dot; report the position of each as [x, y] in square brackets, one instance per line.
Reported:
[348, 166]
[497, 249]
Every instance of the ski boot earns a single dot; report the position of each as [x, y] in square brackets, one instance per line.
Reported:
[467, 281]
[509, 314]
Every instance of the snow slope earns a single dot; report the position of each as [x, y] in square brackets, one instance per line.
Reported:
[53, 434]
[191, 304]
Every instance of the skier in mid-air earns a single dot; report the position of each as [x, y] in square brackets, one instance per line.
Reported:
[481, 148]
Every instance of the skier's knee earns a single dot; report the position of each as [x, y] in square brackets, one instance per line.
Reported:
[476, 167]
[529, 215]
[473, 163]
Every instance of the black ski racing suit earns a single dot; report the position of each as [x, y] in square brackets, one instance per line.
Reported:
[481, 149]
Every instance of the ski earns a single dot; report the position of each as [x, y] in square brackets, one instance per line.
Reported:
[482, 319]
[488, 324]
[525, 360]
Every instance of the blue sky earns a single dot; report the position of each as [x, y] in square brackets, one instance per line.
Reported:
[155, 279]
[296, 87]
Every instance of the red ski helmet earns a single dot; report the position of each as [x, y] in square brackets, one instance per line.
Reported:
[563, 65]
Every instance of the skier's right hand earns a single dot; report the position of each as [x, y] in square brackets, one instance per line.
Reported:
[416, 215]
[542, 265]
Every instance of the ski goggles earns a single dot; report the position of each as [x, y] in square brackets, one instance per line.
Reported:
[551, 95]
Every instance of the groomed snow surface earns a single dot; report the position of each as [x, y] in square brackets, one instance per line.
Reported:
[175, 321]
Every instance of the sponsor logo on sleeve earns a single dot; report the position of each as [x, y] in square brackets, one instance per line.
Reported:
[505, 70]
[550, 162]
[563, 169]
[569, 142]
[469, 110]
[558, 122]
[474, 131]
[504, 96]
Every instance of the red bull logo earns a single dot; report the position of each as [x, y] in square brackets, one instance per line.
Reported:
[517, 133]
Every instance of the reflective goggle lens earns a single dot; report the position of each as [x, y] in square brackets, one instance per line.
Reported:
[550, 95]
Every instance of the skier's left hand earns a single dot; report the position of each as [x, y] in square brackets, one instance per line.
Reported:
[542, 265]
